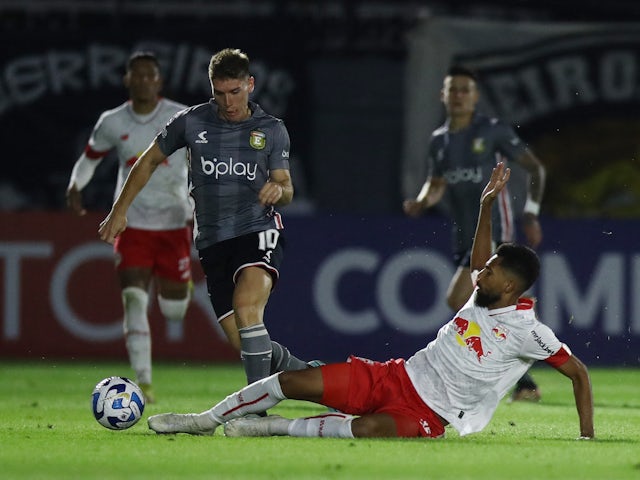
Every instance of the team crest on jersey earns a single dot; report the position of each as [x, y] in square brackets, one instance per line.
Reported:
[257, 139]
[500, 332]
[478, 145]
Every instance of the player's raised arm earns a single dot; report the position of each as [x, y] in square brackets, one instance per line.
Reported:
[482, 244]
[115, 223]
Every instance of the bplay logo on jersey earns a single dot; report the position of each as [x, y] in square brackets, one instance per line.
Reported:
[473, 175]
[221, 168]
[468, 335]
[257, 139]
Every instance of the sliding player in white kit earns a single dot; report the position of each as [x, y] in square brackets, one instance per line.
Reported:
[157, 243]
[458, 379]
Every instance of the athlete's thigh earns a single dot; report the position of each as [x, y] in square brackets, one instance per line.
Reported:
[171, 289]
[216, 262]
[172, 256]
[139, 277]
[224, 261]
[304, 384]
[375, 425]
[349, 386]
[132, 250]
[264, 249]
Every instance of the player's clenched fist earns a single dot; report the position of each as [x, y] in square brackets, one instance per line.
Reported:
[270, 193]
[111, 227]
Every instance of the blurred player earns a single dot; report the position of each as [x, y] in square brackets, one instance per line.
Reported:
[462, 154]
[458, 378]
[157, 243]
[239, 173]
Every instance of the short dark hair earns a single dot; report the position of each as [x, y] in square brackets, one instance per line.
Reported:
[142, 55]
[520, 260]
[461, 70]
[229, 63]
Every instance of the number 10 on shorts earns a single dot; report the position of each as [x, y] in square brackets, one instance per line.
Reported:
[268, 239]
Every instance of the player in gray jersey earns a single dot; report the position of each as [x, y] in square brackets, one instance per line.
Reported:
[462, 155]
[238, 175]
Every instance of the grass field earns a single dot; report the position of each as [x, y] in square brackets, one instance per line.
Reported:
[47, 432]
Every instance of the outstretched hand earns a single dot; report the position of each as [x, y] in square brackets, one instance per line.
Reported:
[499, 177]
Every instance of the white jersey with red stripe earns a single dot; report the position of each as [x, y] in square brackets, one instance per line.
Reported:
[163, 203]
[478, 357]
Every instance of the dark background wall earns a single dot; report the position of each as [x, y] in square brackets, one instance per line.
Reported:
[334, 70]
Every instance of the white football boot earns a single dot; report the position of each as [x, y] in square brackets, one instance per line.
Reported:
[192, 423]
[255, 426]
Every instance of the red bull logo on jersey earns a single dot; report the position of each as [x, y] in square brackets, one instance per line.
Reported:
[468, 335]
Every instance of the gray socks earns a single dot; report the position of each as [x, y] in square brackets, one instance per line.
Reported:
[255, 346]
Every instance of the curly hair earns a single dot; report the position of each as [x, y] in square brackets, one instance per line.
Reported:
[520, 260]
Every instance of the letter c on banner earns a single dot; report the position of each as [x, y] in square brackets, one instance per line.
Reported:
[387, 298]
[389, 294]
[325, 291]
[59, 283]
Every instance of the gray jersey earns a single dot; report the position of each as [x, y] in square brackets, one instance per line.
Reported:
[229, 164]
[465, 160]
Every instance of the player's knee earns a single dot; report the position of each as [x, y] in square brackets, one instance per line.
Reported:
[248, 313]
[135, 302]
[173, 309]
[302, 384]
[370, 426]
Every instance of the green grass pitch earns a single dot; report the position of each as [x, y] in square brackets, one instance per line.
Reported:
[47, 431]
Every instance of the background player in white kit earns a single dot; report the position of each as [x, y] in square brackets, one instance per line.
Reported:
[238, 175]
[157, 243]
[458, 379]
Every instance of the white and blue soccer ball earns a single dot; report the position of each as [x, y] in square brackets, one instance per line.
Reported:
[117, 403]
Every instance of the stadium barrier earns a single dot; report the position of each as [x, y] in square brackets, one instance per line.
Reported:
[370, 285]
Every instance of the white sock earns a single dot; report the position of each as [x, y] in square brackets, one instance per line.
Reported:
[254, 398]
[174, 311]
[336, 425]
[136, 331]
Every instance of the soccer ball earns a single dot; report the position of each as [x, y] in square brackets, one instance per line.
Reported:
[117, 403]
